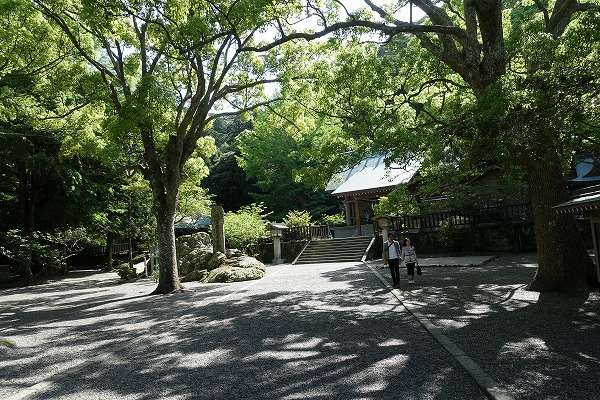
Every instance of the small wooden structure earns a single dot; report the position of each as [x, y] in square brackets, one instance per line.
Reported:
[586, 203]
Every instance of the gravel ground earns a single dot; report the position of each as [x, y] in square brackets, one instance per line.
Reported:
[303, 332]
[537, 346]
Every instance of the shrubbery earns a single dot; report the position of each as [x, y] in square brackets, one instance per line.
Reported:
[333, 220]
[246, 226]
[41, 253]
[126, 272]
[297, 218]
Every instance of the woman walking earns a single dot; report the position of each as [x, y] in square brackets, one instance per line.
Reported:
[391, 257]
[409, 256]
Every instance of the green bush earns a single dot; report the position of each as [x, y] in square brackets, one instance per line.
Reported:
[126, 272]
[246, 226]
[333, 220]
[297, 218]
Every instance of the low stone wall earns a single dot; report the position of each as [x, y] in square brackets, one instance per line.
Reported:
[289, 250]
[341, 232]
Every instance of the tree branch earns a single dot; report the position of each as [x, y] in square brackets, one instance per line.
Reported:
[242, 109]
[384, 28]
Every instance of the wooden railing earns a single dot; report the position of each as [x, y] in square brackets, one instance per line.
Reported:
[512, 214]
[306, 232]
[117, 248]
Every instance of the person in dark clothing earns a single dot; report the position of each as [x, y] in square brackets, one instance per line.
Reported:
[391, 257]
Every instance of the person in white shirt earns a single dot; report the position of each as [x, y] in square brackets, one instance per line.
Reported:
[409, 257]
[391, 257]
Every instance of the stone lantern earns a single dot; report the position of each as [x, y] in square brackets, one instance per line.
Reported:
[276, 233]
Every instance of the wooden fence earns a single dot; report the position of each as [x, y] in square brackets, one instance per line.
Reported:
[510, 214]
[117, 248]
[306, 232]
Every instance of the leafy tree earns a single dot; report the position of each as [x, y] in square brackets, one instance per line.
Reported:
[227, 181]
[168, 70]
[399, 202]
[479, 82]
[275, 153]
[38, 252]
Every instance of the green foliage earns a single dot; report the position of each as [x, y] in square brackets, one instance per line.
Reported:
[126, 272]
[297, 218]
[276, 153]
[450, 236]
[245, 227]
[399, 202]
[333, 219]
[39, 252]
[227, 181]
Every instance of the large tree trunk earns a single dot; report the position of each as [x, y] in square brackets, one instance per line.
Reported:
[563, 263]
[168, 280]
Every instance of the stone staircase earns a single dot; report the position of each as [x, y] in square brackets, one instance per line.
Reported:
[334, 250]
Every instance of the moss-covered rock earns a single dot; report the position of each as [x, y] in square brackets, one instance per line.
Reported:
[196, 275]
[196, 261]
[185, 244]
[244, 261]
[243, 268]
[216, 260]
[228, 274]
[197, 258]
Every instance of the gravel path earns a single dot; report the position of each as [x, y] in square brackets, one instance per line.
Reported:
[303, 332]
[537, 346]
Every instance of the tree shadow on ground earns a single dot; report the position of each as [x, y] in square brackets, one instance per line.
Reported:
[349, 340]
[538, 345]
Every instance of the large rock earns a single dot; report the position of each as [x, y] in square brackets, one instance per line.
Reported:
[186, 244]
[244, 261]
[195, 275]
[233, 253]
[193, 252]
[237, 269]
[216, 260]
[195, 259]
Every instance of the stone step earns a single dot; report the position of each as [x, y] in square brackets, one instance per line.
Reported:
[342, 241]
[338, 246]
[326, 260]
[334, 250]
[335, 257]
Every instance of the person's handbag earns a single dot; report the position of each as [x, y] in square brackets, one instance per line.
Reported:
[418, 269]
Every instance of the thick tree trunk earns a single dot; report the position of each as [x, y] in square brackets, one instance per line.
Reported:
[563, 263]
[168, 280]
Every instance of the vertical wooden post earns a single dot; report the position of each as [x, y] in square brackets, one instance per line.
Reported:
[358, 221]
[348, 212]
